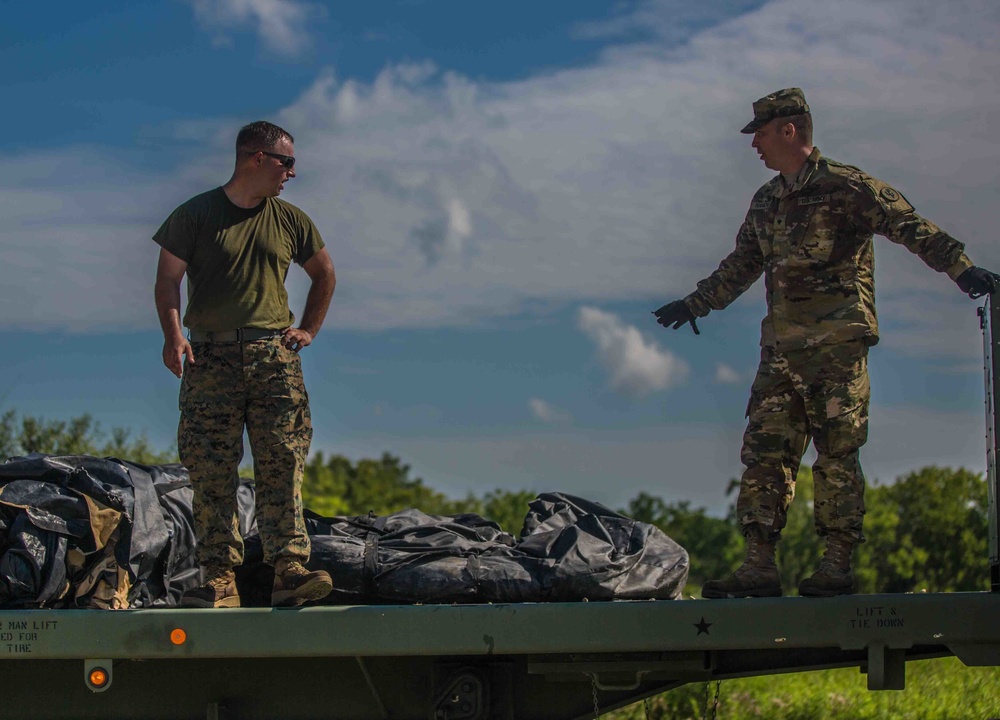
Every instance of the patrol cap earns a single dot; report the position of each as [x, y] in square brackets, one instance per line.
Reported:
[783, 103]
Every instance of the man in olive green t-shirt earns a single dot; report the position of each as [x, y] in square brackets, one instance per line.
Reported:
[241, 366]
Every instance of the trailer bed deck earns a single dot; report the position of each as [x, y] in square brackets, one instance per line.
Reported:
[531, 660]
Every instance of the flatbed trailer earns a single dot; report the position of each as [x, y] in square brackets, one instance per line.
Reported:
[470, 662]
[529, 661]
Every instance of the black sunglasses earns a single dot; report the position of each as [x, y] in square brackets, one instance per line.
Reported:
[286, 160]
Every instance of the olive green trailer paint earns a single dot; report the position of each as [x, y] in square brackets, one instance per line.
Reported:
[531, 660]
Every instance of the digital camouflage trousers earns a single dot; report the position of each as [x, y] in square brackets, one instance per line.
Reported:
[258, 386]
[819, 393]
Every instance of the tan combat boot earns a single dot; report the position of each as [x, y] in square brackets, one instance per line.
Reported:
[294, 585]
[756, 577]
[219, 591]
[834, 576]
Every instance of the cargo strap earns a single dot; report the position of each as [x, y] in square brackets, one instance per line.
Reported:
[377, 525]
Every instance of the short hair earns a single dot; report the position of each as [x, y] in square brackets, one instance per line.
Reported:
[803, 124]
[260, 135]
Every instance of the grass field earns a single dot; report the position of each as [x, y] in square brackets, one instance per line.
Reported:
[942, 689]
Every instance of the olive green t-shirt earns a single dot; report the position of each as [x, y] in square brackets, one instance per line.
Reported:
[237, 259]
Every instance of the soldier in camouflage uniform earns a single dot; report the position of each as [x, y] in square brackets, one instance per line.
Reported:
[809, 232]
[241, 367]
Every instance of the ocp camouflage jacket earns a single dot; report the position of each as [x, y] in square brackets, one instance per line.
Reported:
[813, 243]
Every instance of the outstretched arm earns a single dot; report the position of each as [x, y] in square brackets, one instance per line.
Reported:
[888, 213]
[738, 271]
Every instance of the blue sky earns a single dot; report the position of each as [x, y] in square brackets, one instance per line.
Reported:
[507, 191]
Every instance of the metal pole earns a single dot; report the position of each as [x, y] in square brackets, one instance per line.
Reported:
[989, 316]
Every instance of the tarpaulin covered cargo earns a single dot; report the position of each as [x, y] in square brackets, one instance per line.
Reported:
[80, 531]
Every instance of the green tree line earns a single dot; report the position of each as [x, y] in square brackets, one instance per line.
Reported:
[78, 436]
[925, 531]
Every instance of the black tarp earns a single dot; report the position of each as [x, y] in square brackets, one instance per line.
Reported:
[78, 512]
[79, 531]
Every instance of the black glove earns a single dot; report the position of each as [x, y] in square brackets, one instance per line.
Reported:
[977, 281]
[677, 313]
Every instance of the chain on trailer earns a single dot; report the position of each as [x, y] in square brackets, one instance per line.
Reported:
[715, 702]
[647, 703]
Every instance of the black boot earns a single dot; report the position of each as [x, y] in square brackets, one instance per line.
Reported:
[756, 577]
[834, 576]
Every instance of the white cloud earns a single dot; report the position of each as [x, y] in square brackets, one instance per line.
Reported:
[444, 233]
[547, 413]
[446, 200]
[725, 374]
[281, 24]
[637, 365]
[629, 176]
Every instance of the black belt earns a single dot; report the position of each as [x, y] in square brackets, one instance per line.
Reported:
[240, 335]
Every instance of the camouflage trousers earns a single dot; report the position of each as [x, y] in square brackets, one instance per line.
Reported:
[819, 393]
[257, 385]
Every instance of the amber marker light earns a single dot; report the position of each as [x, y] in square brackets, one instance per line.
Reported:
[178, 636]
[98, 677]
